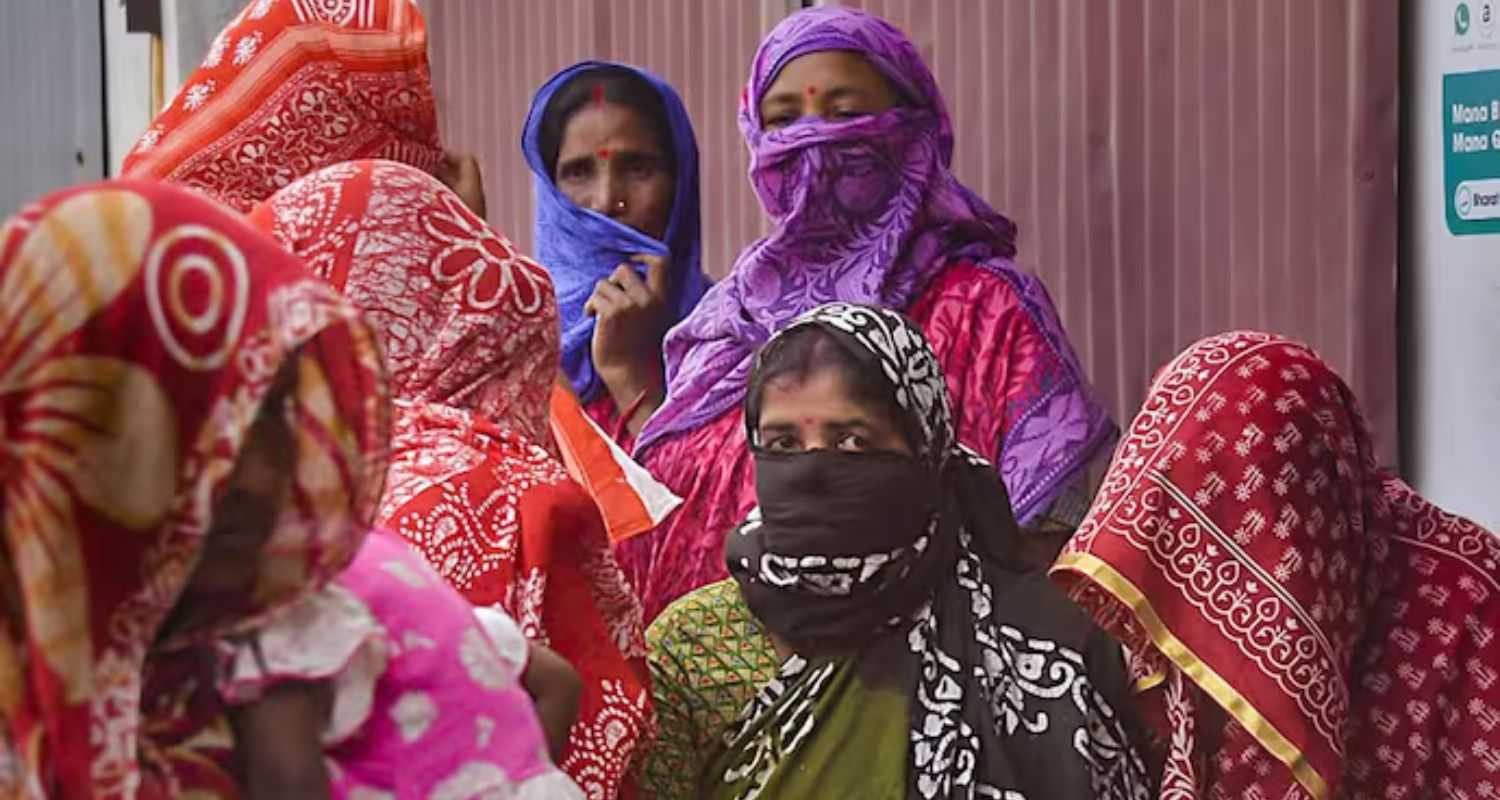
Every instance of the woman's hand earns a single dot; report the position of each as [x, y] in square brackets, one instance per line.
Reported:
[460, 172]
[631, 318]
[555, 688]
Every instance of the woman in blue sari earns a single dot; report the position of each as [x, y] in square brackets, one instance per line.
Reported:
[615, 168]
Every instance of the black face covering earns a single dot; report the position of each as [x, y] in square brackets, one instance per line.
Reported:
[847, 546]
[844, 545]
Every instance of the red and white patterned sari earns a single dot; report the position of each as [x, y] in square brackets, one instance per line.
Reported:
[291, 86]
[469, 327]
[141, 328]
[1302, 623]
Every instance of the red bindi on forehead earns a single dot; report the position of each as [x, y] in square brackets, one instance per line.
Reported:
[812, 90]
[604, 153]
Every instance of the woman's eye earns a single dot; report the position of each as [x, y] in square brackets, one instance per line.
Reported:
[779, 121]
[641, 169]
[853, 443]
[576, 171]
[848, 113]
[783, 444]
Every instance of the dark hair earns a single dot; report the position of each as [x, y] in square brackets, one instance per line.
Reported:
[616, 85]
[798, 354]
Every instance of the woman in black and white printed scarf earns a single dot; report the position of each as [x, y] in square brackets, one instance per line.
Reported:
[880, 565]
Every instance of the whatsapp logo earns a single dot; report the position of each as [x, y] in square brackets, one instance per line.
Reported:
[1461, 19]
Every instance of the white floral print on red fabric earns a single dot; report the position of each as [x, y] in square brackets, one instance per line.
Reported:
[291, 86]
[600, 749]
[1247, 504]
[469, 329]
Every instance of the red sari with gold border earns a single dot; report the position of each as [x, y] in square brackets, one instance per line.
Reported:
[1302, 623]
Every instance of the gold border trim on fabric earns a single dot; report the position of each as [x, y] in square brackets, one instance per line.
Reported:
[1108, 578]
[1149, 682]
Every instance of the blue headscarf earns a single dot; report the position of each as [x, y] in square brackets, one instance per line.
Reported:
[582, 247]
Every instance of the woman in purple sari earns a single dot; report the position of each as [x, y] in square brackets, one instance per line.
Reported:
[850, 148]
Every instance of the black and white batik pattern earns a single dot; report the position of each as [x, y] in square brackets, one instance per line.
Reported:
[829, 576]
[1017, 685]
[1026, 687]
[909, 364]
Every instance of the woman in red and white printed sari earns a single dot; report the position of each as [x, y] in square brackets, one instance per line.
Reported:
[469, 328]
[292, 86]
[1301, 622]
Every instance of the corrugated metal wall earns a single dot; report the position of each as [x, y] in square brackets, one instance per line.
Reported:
[1180, 167]
[1177, 167]
[51, 87]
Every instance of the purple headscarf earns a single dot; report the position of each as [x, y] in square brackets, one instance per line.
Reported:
[866, 211]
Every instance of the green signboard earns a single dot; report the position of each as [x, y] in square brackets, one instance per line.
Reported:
[1471, 150]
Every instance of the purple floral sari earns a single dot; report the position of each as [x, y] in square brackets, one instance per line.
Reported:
[867, 211]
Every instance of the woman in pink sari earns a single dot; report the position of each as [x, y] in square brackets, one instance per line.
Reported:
[850, 150]
[1302, 624]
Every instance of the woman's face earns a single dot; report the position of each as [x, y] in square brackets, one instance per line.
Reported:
[243, 520]
[829, 84]
[818, 413]
[612, 162]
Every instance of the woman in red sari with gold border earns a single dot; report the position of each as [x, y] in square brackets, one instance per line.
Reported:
[1301, 622]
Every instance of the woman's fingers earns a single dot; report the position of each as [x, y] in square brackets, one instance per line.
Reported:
[658, 273]
[460, 172]
[602, 301]
[608, 297]
[630, 282]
